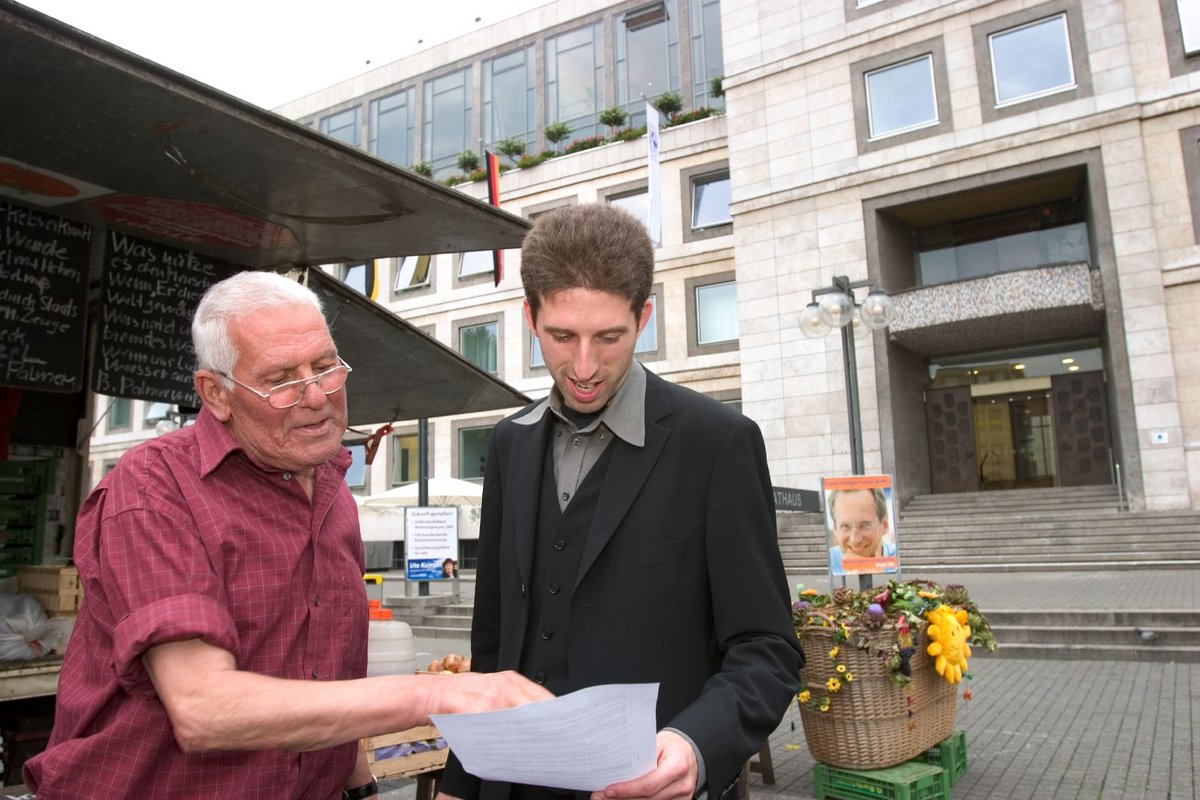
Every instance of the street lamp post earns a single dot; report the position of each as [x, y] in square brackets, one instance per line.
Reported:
[834, 307]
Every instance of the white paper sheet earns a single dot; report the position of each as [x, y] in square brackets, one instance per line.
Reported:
[585, 740]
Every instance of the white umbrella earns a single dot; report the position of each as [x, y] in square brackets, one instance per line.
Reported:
[442, 492]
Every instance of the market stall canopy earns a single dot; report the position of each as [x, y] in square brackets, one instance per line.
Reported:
[176, 179]
[103, 136]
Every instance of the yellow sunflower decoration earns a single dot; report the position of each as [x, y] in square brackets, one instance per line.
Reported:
[949, 631]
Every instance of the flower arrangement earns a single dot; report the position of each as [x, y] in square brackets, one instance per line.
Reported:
[884, 622]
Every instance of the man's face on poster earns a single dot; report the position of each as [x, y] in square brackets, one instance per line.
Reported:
[856, 524]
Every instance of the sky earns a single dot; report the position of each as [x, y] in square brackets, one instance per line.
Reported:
[269, 52]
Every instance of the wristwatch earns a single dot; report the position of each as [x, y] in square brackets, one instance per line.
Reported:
[360, 793]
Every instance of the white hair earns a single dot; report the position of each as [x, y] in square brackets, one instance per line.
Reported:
[232, 299]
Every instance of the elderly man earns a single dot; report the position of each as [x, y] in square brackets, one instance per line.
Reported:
[221, 646]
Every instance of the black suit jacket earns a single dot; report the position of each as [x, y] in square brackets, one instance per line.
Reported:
[680, 583]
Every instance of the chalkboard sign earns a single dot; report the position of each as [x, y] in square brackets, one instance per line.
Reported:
[43, 299]
[148, 295]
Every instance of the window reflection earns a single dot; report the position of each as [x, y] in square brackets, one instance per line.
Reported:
[901, 97]
[1032, 60]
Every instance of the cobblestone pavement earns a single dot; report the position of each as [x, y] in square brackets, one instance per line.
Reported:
[1036, 729]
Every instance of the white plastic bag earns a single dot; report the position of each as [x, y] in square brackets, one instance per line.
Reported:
[23, 628]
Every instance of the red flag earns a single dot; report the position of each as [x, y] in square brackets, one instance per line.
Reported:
[493, 181]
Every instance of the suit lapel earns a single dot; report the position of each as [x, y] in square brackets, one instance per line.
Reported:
[626, 475]
[525, 496]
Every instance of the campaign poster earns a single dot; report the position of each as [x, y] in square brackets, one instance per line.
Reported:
[431, 543]
[860, 518]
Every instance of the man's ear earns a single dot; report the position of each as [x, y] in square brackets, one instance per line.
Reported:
[213, 394]
[647, 310]
[528, 312]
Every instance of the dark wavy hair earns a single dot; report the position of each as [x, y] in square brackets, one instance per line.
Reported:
[592, 246]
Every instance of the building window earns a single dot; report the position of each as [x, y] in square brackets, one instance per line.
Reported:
[708, 60]
[1181, 30]
[447, 120]
[359, 277]
[510, 98]
[710, 201]
[356, 475]
[1032, 61]
[405, 459]
[1189, 25]
[647, 341]
[901, 97]
[712, 314]
[473, 444]
[1189, 141]
[120, 414]
[342, 126]
[479, 344]
[635, 201]
[393, 123]
[1049, 233]
[475, 262]
[575, 79]
[647, 56]
[411, 272]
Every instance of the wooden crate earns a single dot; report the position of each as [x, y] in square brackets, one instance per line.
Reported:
[56, 578]
[55, 586]
[405, 765]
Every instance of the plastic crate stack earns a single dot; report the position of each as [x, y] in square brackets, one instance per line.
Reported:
[25, 489]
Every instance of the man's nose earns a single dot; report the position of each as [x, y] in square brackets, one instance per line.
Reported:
[586, 361]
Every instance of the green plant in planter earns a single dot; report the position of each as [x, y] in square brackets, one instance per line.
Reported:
[468, 161]
[614, 117]
[512, 147]
[586, 143]
[716, 86]
[557, 132]
[629, 134]
[531, 160]
[423, 168]
[669, 103]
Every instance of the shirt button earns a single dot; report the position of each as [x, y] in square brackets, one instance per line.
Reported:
[575, 442]
[553, 587]
[601, 437]
[566, 496]
[560, 545]
[316, 601]
[314, 672]
[287, 476]
[546, 633]
[539, 677]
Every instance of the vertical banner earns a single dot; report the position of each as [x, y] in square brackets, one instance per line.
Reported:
[654, 224]
[492, 162]
[861, 518]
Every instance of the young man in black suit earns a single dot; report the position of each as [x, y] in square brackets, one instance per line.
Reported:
[628, 530]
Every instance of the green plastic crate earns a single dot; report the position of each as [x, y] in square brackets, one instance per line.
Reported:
[911, 780]
[950, 754]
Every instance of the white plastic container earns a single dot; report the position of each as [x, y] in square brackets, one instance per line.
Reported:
[390, 648]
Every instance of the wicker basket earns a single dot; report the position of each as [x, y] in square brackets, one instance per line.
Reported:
[868, 725]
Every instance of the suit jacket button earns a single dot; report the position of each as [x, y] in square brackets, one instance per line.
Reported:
[539, 677]
[553, 587]
[547, 633]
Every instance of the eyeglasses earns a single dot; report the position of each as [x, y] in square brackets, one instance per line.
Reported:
[286, 395]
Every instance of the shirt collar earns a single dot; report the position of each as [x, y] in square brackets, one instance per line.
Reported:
[625, 414]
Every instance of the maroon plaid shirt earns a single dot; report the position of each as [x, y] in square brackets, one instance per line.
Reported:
[188, 538]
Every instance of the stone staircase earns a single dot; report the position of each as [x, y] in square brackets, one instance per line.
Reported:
[1133, 635]
[443, 616]
[1040, 530]
[1020, 530]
